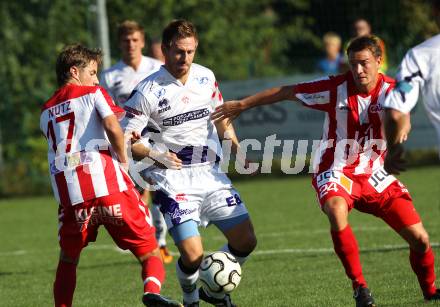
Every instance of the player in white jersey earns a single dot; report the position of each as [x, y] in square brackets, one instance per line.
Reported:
[192, 190]
[419, 72]
[349, 170]
[85, 149]
[120, 80]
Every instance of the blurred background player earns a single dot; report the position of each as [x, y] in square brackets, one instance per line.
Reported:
[120, 80]
[419, 72]
[362, 27]
[156, 50]
[348, 166]
[192, 188]
[80, 123]
[331, 63]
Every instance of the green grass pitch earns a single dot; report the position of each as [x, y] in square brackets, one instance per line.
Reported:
[293, 265]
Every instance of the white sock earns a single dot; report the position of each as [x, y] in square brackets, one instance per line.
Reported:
[240, 260]
[159, 223]
[188, 283]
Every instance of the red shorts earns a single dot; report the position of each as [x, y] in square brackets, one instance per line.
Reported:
[123, 214]
[380, 194]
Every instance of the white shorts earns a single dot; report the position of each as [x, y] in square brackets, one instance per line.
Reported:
[202, 193]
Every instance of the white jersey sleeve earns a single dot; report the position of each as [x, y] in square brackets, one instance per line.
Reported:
[103, 105]
[137, 113]
[409, 83]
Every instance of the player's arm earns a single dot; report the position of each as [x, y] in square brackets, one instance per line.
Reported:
[115, 136]
[226, 131]
[397, 126]
[232, 109]
[398, 105]
[135, 121]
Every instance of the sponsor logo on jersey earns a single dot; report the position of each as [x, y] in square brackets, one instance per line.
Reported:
[99, 214]
[163, 103]
[164, 106]
[380, 180]
[337, 177]
[376, 108]
[315, 98]
[181, 197]
[188, 116]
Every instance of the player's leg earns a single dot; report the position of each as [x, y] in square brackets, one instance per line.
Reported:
[344, 241]
[240, 234]
[181, 212]
[346, 247]
[404, 219]
[72, 238]
[336, 194]
[161, 227]
[65, 280]
[189, 243]
[129, 224]
[225, 209]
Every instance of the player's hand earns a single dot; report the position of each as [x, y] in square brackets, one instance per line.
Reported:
[134, 137]
[229, 110]
[166, 159]
[394, 161]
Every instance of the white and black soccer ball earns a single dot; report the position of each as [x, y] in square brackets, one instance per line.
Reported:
[220, 273]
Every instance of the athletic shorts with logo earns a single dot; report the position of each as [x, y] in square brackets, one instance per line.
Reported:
[200, 192]
[123, 214]
[379, 193]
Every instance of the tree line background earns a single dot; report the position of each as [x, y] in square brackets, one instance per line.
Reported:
[238, 40]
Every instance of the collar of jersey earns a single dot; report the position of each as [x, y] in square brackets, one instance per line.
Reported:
[173, 79]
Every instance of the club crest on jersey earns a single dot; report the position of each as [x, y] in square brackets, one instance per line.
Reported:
[202, 80]
[185, 99]
[160, 93]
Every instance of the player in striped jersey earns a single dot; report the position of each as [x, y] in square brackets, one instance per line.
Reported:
[85, 150]
[348, 166]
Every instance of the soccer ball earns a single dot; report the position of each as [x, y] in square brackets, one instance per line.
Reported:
[220, 273]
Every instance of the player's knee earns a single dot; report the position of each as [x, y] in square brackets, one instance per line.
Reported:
[336, 207]
[68, 259]
[421, 244]
[191, 260]
[145, 255]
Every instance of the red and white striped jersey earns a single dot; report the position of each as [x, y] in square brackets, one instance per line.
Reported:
[82, 164]
[352, 138]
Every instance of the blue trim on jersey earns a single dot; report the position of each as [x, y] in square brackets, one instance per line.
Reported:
[184, 231]
[225, 225]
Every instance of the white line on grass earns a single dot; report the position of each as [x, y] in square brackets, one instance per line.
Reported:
[298, 250]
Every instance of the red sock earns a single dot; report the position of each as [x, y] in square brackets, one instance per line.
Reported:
[423, 265]
[64, 285]
[346, 248]
[153, 274]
